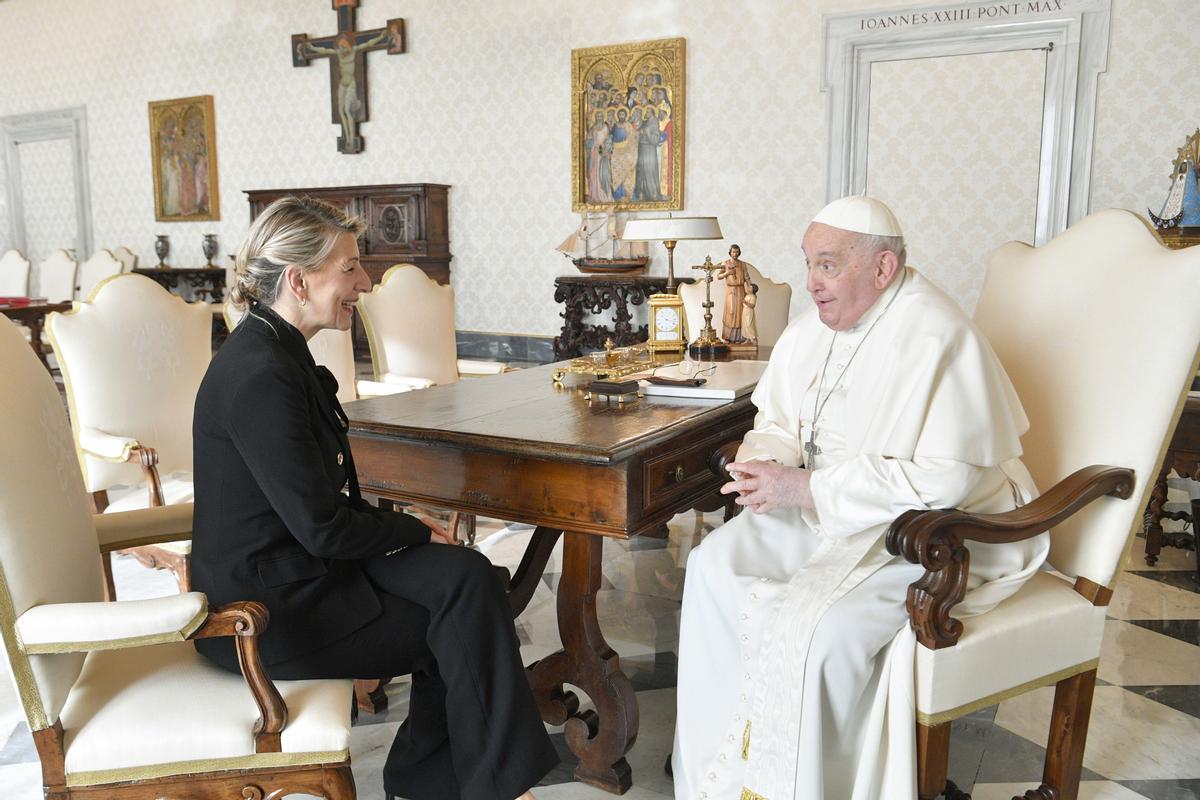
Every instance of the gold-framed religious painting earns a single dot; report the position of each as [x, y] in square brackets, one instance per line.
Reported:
[183, 146]
[627, 126]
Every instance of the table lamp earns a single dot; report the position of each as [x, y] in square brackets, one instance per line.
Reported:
[670, 230]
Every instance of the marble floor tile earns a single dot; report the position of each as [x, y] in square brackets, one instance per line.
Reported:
[1180, 698]
[1136, 656]
[1139, 597]
[1185, 630]
[21, 781]
[1187, 580]
[1088, 790]
[1129, 738]
[1166, 790]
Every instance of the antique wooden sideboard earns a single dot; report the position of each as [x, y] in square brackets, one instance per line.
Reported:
[407, 223]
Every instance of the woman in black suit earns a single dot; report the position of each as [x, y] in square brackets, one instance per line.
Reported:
[353, 591]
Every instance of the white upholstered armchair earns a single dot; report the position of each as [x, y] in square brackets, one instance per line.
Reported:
[101, 265]
[1103, 390]
[132, 359]
[334, 350]
[127, 257]
[409, 320]
[14, 275]
[120, 705]
[56, 277]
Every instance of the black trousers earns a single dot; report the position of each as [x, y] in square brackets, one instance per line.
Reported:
[473, 731]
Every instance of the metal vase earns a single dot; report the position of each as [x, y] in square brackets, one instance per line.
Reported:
[209, 247]
[162, 249]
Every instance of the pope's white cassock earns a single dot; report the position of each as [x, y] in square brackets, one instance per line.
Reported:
[796, 659]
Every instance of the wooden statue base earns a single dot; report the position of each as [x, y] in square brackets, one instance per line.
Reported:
[698, 350]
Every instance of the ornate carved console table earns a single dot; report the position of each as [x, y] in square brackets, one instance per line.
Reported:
[1183, 455]
[206, 283]
[594, 294]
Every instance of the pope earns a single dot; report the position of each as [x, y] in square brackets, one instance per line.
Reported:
[795, 654]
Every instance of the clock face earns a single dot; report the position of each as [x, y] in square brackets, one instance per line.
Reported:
[666, 321]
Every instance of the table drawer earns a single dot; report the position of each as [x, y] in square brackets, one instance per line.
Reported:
[668, 476]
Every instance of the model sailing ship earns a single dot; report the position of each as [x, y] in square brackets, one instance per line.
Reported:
[596, 246]
[1182, 207]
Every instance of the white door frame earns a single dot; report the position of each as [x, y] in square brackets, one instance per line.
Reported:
[1074, 34]
[66, 123]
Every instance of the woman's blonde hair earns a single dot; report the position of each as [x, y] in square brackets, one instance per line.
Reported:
[292, 230]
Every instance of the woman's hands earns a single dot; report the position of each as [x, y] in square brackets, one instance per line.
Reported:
[766, 485]
[437, 534]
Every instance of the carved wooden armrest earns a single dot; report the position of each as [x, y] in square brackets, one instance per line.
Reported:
[934, 539]
[247, 620]
[147, 459]
[718, 462]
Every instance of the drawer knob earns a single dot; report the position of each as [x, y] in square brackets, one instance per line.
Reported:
[676, 474]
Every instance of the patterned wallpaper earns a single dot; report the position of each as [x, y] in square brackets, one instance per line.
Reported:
[48, 192]
[961, 185]
[481, 101]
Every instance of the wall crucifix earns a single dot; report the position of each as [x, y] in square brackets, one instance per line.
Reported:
[346, 51]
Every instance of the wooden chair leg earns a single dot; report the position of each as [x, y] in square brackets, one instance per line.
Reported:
[933, 759]
[339, 784]
[183, 573]
[369, 695]
[110, 586]
[1068, 735]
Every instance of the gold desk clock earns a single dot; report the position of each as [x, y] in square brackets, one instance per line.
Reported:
[668, 324]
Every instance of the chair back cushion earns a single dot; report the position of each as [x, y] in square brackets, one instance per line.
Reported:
[410, 326]
[48, 551]
[771, 310]
[14, 275]
[127, 257]
[56, 277]
[100, 266]
[1098, 330]
[334, 350]
[132, 359]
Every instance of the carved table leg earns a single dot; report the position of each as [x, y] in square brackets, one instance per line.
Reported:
[1196, 537]
[602, 737]
[1152, 520]
[35, 323]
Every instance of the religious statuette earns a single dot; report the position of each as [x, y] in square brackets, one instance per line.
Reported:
[707, 343]
[737, 323]
[162, 248]
[346, 51]
[668, 325]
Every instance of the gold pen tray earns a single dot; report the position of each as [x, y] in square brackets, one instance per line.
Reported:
[614, 363]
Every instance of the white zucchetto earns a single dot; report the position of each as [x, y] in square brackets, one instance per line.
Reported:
[861, 214]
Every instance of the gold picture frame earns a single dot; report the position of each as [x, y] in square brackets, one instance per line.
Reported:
[614, 89]
[183, 147]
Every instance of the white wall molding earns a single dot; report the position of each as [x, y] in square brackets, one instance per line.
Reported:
[67, 123]
[1074, 34]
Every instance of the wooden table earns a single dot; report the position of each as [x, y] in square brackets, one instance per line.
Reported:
[515, 447]
[33, 316]
[1183, 455]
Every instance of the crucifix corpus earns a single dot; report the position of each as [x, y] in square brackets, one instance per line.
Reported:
[347, 51]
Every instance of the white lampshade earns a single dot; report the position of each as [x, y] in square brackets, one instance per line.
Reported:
[667, 229]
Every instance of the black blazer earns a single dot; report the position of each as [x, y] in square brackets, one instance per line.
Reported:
[271, 523]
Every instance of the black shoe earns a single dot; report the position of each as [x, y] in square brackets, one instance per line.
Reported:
[666, 768]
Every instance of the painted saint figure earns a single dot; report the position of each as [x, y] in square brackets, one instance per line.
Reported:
[749, 324]
[348, 103]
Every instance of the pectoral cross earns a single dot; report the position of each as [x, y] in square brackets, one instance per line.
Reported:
[811, 449]
[347, 51]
